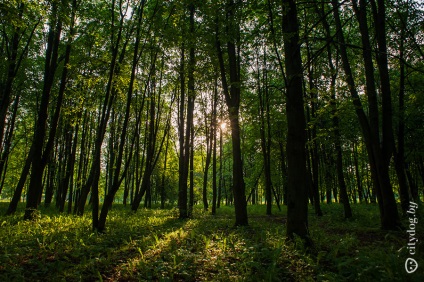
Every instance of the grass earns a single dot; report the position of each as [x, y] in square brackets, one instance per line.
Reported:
[153, 245]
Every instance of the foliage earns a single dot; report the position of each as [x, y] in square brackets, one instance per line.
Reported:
[155, 245]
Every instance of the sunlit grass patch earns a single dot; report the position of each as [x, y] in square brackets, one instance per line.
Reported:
[154, 245]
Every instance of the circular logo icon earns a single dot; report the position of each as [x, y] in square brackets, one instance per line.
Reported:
[411, 265]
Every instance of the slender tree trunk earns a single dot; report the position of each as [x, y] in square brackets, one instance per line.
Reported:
[209, 132]
[150, 154]
[214, 133]
[399, 155]
[214, 170]
[357, 173]
[232, 92]
[71, 168]
[312, 156]
[412, 183]
[378, 157]
[68, 168]
[111, 91]
[283, 168]
[163, 186]
[39, 158]
[191, 173]
[209, 144]
[337, 140]
[220, 181]
[183, 175]
[8, 141]
[14, 60]
[185, 138]
[264, 102]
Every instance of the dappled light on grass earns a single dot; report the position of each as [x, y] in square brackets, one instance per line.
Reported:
[154, 245]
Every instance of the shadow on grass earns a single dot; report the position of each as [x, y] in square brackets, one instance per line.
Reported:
[63, 247]
[210, 248]
[154, 245]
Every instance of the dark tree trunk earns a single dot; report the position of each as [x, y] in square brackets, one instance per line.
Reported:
[183, 160]
[214, 132]
[163, 185]
[209, 144]
[232, 93]
[41, 151]
[220, 181]
[7, 142]
[312, 156]
[50, 175]
[185, 132]
[412, 183]
[337, 141]
[297, 194]
[265, 135]
[357, 174]
[399, 155]
[68, 168]
[150, 153]
[283, 168]
[378, 157]
[14, 60]
[94, 175]
[71, 168]
[191, 173]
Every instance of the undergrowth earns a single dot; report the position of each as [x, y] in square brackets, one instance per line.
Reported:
[154, 245]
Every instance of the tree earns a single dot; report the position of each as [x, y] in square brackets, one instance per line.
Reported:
[378, 158]
[335, 120]
[20, 38]
[232, 92]
[40, 152]
[265, 132]
[185, 137]
[297, 193]
[117, 56]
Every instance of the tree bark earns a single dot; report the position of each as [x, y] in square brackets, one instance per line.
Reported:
[377, 156]
[39, 158]
[297, 194]
[232, 94]
[214, 133]
[8, 142]
[110, 93]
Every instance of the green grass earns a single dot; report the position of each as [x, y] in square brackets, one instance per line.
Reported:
[153, 245]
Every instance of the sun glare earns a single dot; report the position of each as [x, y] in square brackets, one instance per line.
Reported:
[223, 125]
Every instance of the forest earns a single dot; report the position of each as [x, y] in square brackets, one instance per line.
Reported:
[215, 140]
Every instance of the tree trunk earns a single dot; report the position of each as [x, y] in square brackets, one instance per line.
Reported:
[337, 141]
[214, 133]
[399, 156]
[264, 129]
[357, 173]
[14, 60]
[191, 173]
[163, 190]
[39, 158]
[220, 181]
[377, 156]
[232, 93]
[8, 141]
[209, 143]
[297, 194]
[184, 160]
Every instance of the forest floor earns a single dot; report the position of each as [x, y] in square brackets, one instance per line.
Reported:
[153, 245]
